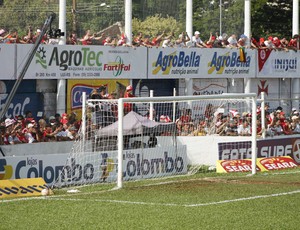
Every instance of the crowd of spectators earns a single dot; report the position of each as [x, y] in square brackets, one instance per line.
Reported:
[235, 123]
[214, 121]
[25, 129]
[160, 40]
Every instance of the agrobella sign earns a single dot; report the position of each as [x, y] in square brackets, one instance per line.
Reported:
[178, 63]
[229, 63]
[199, 63]
[69, 62]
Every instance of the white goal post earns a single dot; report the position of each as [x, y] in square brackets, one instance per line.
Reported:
[146, 142]
[251, 97]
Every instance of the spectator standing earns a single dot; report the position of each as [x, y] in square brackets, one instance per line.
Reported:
[95, 106]
[269, 43]
[72, 39]
[110, 42]
[122, 40]
[232, 42]
[158, 39]
[64, 118]
[71, 133]
[211, 41]
[196, 40]
[242, 42]
[137, 41]
[28, 117]
[231, 129]
[294, 42]
[3, 36]
[30, 134]
[128, 93]
[244, 129]
[13, 37]
[87, 38]
[37, 34]
[182, 39]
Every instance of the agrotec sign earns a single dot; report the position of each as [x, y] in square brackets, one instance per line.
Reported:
[83, 62]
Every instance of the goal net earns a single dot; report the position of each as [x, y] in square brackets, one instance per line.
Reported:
[144, 135]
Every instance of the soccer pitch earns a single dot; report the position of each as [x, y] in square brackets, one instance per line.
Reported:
[201, 201]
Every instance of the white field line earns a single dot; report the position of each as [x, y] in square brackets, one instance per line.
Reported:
[184, 205]
[62, 198]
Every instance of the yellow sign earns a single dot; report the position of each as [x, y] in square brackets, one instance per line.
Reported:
[22, 187]
[262, 164]
[76, 87]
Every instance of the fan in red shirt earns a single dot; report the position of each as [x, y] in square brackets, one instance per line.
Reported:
[186, 116]
[158, 39]
[128, 106]
[294, 42]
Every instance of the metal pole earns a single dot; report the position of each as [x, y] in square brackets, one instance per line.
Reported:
[253, 137]
[83, 118]
[247, 21]
[151, 106]
[174, 105]
[295, 81]
[27, 64]
[120, 143]
[220, 17]
[74, 8]
[263, 115]
[189, 18]
[128, 21]
[61, 83]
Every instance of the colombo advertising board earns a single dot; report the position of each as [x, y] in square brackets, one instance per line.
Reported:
[200, 63]
[154, 162]
[84, 62]
[275, 147]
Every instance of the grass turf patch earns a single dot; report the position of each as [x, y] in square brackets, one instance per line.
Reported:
[201, 201]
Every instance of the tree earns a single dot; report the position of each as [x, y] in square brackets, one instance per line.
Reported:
[267, 17]
[272, 18]
[154, 25]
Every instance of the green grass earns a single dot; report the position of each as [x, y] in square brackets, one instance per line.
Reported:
[188, 202]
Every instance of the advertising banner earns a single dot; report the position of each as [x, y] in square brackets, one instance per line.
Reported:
[200, 63]
[262, 164]
[77, 87]
[209, 86]
[278, 64]
[22, 187]
[84, 62]
[275, 147]
[23, 102]
[7, 57]
[137, 164]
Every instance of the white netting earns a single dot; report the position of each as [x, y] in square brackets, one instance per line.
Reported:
[150, 131]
